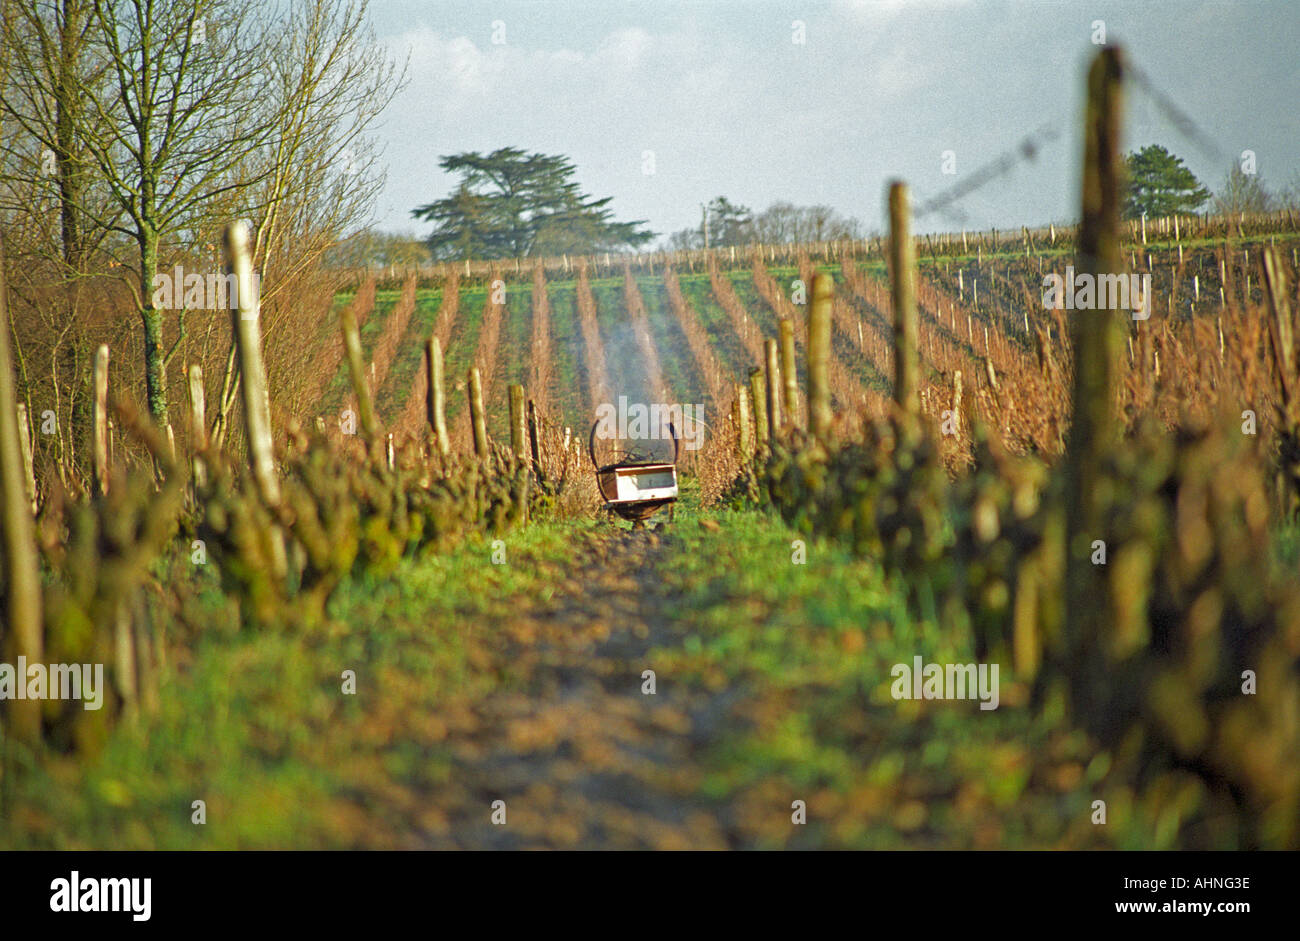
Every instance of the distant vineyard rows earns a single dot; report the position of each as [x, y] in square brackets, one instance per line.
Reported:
[990, 352]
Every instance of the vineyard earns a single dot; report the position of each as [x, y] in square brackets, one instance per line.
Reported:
[402, 605]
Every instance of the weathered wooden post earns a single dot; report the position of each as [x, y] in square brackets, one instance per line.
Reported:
[1281, 327]
[819, 355]
[124, 656]
[477, 420]
[902, 259]
[29, 464]
[956, 401]
[535, 439]
[789, 372]
[99, 422]
[198, 424]
[758, 390]
[773, 389]
[1286, 360]
[742, 422]
[24, 634]
[518, 439]
[1097, 348]
[435, 398]
[247, 331]
[246, 327]
[357, 372]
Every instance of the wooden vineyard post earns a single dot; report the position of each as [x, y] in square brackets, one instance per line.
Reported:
[435, 398]
[758, 392]
[1286, 360]
[246, 328]
[29, 466]
[742, 422]
[789, 373]
[902, 261]
[357, 372]
[773, 389]
[518, 439]
[198, 424]
[477, 420]
[99, 422]
[24, 634]
[1281, 328]
[956, 401]
[819, 355]
[535, 439]
[1097, 347]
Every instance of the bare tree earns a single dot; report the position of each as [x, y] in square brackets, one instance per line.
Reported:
[1242, 192]
[328, 82]
[174, 133]
[168, 118]
[48, 196]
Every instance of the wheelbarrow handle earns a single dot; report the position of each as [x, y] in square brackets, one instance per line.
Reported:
[591, 443]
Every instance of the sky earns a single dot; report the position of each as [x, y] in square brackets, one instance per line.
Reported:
[665, 105]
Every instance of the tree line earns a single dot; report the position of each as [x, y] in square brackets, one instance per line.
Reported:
[1158, 183]
[513, 204]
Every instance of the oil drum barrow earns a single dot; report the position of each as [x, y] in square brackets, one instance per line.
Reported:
[633, 487]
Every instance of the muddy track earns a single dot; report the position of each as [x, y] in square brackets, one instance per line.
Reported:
[581, 756]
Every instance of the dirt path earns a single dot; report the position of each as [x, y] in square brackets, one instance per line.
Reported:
[583, 758]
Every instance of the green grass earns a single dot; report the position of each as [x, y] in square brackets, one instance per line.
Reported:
[461, 346]
[410, 353]
[569, 367]
[726, 343]
[257, 726]
[796, 657]
[340, 386]
[813, 646]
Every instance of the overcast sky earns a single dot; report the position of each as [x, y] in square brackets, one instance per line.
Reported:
[717, 97]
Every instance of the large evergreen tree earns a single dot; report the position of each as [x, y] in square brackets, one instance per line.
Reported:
[1160, 185]
[511, 204]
